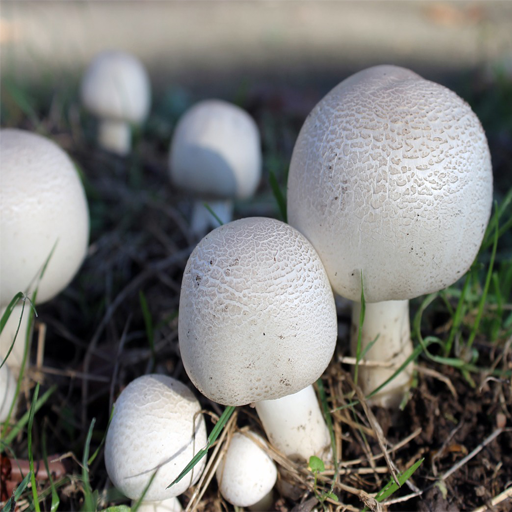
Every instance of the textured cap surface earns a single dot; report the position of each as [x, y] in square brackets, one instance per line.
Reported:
[246, 474]
[153, 429]
[257, 317]
[391, 175]
[116, 86]
[42, 205]
[215, 151]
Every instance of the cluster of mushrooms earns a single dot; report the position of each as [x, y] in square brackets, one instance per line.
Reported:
[389, 196]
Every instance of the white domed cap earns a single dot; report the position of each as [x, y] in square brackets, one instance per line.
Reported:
[7, 390]
[257, 317]
[391, 175]
[157, 425]
[116, 86]
[169, 505]
[215, 151]
[246, 474]
[42, 205]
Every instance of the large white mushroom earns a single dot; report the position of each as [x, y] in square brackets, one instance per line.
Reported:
[157, 427]
[257, 323]
[391, 177]
[215, 154]
[43, 217]
[246, 474]
[116, 89]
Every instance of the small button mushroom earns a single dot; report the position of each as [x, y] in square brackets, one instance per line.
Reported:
[157, 427]
[116, 89]
[42, 209]
[390, 178]
[257, 321]
[246, 474]
[215, 154]
[7, 390]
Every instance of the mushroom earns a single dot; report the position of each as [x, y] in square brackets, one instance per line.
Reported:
[7, 390]
[215, 154]
[246, 474]
[391, 181]
[157, 427]
[43, 217]
[257, 323]
[116, 89]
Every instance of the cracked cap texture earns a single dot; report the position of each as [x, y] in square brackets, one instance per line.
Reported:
[391, 176]
[257, 316]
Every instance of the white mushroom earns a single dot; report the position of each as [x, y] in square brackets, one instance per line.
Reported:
[391, 177]
[257, 320]
[42, 209]
[215, 154]
[157, 427]
[7, 390]
[246, 474]
[116, 89]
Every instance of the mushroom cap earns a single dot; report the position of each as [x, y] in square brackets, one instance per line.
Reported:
[215, 151]
[246, 474]
[42, 206]
[391, 176]
[116, 86]
[157, 426]
[257, 317]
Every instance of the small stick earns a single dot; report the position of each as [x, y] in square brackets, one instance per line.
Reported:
[505, 495]
[478, 449]
[438, 376]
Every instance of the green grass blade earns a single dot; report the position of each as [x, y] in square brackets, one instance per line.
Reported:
[31, 452]
[217, 429]
[90, 502]
[13, 432]
[360, 332]
[458, 317]
[485, 291]
[278, 195]
[5, 318]
[214, 215]
[11, 502]
[55, 497]
[144, 492]
[402, 478]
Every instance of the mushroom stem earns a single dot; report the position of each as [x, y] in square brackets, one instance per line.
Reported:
[115, 136]
[295, 425]
[203, 220]
[389, 321]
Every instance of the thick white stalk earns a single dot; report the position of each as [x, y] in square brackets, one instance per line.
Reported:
[295, 425]
[390, 322]
[115, 136]
[203, 221]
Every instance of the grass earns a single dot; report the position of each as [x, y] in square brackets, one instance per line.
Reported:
[139, 246]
